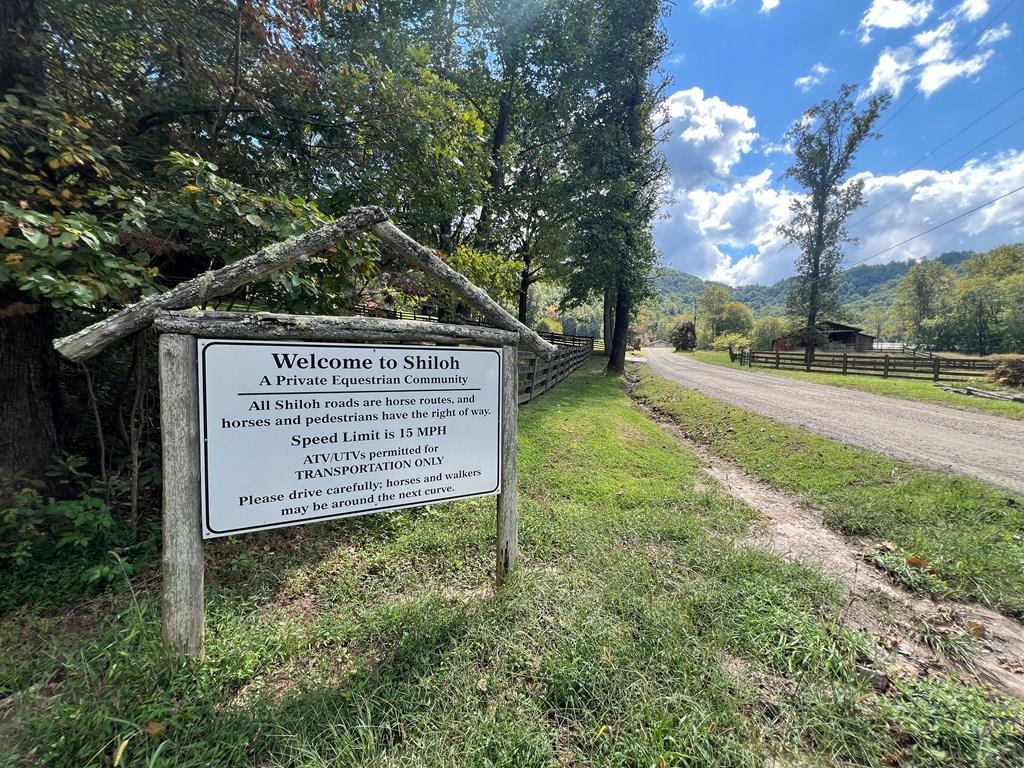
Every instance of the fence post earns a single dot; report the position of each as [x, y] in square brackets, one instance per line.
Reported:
[935, 368]
[844, 363]
[885, 368]
[507, 544]
[182, 560]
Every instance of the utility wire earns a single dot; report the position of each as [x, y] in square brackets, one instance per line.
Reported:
[959, 216]
[947, 166]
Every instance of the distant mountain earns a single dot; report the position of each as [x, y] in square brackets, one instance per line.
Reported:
[861, 287]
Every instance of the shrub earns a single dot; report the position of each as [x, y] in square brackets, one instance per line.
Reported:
[731, 341]
[683, 337]
[1010, 371]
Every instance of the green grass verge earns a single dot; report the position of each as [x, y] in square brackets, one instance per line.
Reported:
[635, 634]
[969, 532]
[908, 389]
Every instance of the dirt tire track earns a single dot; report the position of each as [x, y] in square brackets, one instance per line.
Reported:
[987, 447]
[797, 532]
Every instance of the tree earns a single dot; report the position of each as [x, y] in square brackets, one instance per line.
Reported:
[711, 307]
[736, 317]
[976, 309]
[876, 320]
[684, 337]
[618, 169]
[825, 143]
[765, 331]
[921, 295]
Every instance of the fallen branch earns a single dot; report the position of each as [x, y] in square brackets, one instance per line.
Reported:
[988, 394]
[92, 340]
[426, 260]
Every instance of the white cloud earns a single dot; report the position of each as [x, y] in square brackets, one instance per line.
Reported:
[709, 5]
[937, 75]
[930, 60]
[994, 35]
[893, 70]
[706, 137]
[705, 224]
[893, 14]
[817, 74]
[972, 10]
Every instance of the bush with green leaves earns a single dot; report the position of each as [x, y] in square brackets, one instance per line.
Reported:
[731, 341]
[56, 539]
[684, 337]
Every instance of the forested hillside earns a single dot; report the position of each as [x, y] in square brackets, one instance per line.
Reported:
[862, 288]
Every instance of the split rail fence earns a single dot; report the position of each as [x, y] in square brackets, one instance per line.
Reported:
[536, 376]
[887, 366]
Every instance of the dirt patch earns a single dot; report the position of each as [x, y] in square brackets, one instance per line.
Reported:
[913, 632]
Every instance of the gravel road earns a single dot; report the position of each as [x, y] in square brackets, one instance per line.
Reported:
[987, 447]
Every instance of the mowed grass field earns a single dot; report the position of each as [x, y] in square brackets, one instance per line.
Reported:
[908, 389]
[638, 632]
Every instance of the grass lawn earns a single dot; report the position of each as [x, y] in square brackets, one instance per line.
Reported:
[908, 389]
[637, 633]
[968, 531]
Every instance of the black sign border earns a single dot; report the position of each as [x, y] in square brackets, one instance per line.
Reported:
[204, 437]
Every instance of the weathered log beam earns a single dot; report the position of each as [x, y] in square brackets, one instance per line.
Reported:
[265, 325]
[92, 340]
[427, 261]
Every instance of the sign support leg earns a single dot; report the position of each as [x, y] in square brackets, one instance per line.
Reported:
[182, 604]
[508, 499]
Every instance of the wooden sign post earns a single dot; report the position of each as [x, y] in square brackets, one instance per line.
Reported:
[233, 431]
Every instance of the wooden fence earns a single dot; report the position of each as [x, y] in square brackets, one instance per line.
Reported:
[537, 376]
[887, 366]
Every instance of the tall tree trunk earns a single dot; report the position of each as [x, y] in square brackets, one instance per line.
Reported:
[20, 64]
[617, 351]
[525, 281]
[30, 438]
[496, 179]
[609, 318]
[29, 403]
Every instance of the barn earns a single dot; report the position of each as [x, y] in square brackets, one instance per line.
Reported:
[846, 337]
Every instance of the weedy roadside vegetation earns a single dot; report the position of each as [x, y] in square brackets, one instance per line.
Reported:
[639, 631]
[959, 537]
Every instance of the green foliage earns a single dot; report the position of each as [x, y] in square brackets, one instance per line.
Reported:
[731, 341]
[56, 547]
[684, 337]
[766, 330]
[980, 312]
[58, 222]
[495, 274]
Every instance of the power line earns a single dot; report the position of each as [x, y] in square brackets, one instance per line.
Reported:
[947, 166]
[963, 130]
[959, 216]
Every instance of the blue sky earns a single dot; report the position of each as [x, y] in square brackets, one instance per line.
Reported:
[744, 70]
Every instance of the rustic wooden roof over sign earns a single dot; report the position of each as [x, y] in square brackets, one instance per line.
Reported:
[93, 339]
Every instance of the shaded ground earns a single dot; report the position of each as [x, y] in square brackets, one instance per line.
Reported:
[986, 447]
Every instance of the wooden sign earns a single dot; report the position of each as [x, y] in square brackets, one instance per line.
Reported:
[294, 433]
[275, 420]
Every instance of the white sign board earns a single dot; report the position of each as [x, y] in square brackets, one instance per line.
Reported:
[296, 432]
